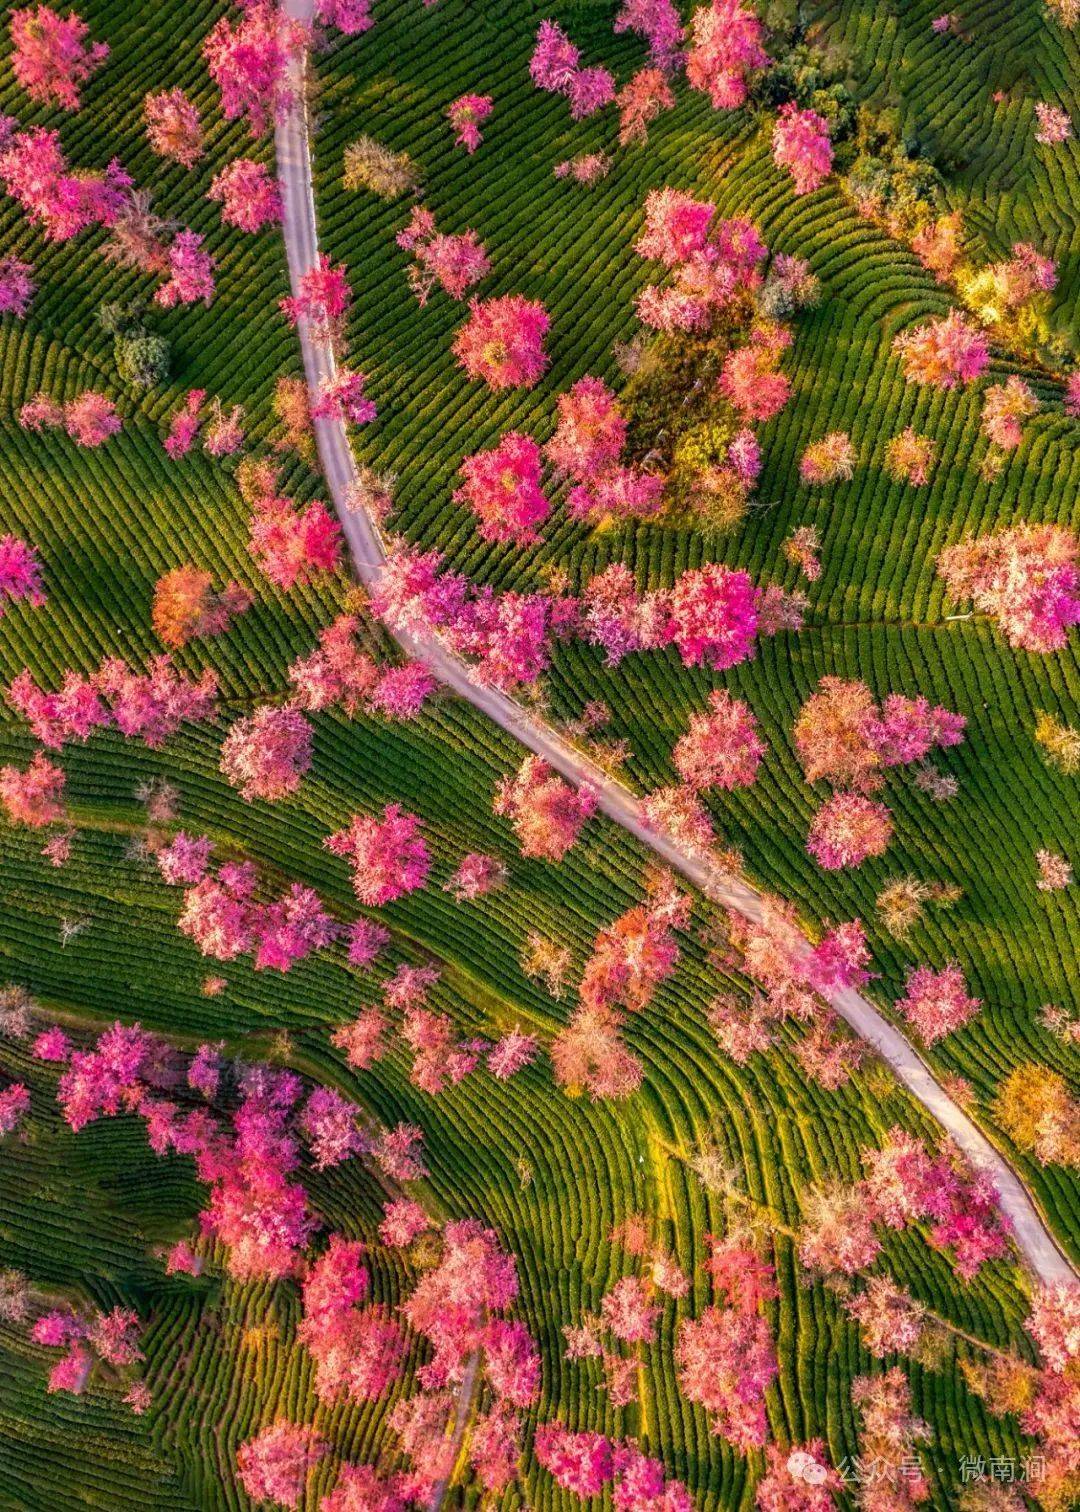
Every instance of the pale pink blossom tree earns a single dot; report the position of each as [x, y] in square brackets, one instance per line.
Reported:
[249, 195]
[725, 48]
[546, 812]
[33, 797]
[266, 754]
[173, 127]
[274, 1465]
[1027, 577]
[936, 1002]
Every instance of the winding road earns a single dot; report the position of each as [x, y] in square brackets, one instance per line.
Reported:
[1033, 1238]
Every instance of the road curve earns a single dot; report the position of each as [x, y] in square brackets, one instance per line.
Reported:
[1033, 1238]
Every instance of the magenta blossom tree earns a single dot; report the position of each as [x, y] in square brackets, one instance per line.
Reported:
[502, 341]
[389, 856]
[51, 56]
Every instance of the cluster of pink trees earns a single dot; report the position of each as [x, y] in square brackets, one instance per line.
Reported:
[222, 430]
[455, 262]
[503, 486]
[629, 1311]
[20, 573]
[148, 706]
[800, 143]
[338, 674]
[223, 917]
[249, 60]
[890, 1438]
[35, 173]
[629, 960]
[712, 615]
[844, 737]
[710, 262]
[250, 1158]
[791, 979]
[726, 1357]
[358, 1350]
[89, 419]
[1026, 577]
[105, 1338]
[51, 55]
[555, 66]
[583, 1463]
[905, 1184]
[289, 542]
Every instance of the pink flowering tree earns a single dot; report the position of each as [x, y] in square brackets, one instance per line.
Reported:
[190, 270]
[389, 856]
[502, 487]
[712, 616]
[502, 342]
[847, 830]
[936, 1002]
[322, 301]
[725, 48]
[722, 748]
[943, 354]
[726, 1360]
[643, 97]
[267, 753]
[1026, 577]
[555, 68]
[466, 115]
[290, 544]
[352, 17]
[248, 60]
[800, 143]
[33, 797]
[274, 1465]
[546, 812]
[51, 55]
[659, 23]
[453, 262]
[20, 573]
[17, 286]
[249, 195]
[173, 127]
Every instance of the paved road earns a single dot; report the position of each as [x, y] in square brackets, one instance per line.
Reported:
[615, 799]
